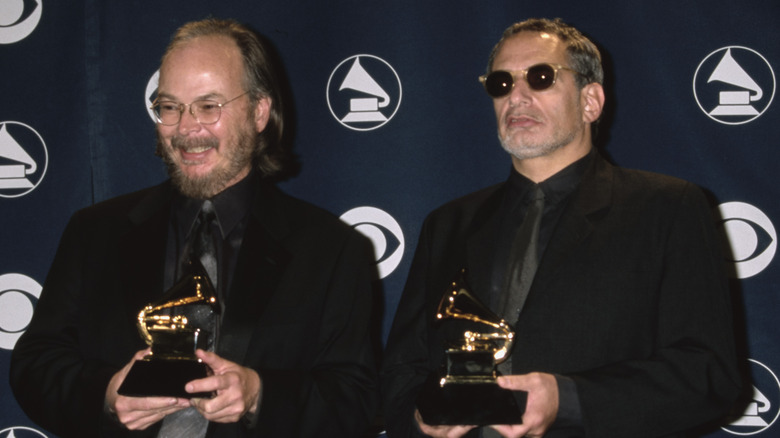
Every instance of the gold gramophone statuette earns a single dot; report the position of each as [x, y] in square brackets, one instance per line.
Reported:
[465, 391]
[475, 359]
[184, 320]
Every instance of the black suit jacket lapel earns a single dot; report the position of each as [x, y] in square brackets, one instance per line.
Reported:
[590, 200]
[261, 263]
[479, 244]
[142, 250]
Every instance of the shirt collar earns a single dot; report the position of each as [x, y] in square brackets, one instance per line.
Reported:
[230, 206]
[555, 188]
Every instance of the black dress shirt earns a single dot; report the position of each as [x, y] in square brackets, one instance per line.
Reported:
[232, 210]
[557, 190]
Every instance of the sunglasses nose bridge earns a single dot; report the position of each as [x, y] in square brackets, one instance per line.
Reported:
[520, 91]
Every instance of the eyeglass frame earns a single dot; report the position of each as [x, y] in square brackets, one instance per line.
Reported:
[515, 73]
[189, 105]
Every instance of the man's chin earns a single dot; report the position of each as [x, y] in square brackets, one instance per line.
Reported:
[196, 186]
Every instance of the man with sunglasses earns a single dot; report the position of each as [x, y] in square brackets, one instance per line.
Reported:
[292, 356]
[611, 278]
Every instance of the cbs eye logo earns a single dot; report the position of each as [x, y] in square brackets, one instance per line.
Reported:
[18, 296]
[18, 19]
[383, 231]
[150, 94]
[750, 237]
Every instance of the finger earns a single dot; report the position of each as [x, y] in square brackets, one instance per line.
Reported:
[511, 431]
[140, 412]
[441, 431]
[140, 354]
[145, 419]
[209, 384]
[211, 359]
[510, 382]
[227, 406]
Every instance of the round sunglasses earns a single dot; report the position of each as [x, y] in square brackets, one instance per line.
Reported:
[540, 77]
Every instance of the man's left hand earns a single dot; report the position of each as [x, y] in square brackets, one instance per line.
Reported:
[541, 407]
[237, 390]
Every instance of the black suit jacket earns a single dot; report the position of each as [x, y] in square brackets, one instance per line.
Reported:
[297, 312]
[629, 301]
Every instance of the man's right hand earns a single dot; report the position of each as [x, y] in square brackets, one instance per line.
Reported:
[441, 431]
[138, 413]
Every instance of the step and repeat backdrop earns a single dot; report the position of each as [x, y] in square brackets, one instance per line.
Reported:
[691, 92]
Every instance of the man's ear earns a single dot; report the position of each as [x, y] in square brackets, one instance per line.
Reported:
[592, 98]
[262, 113]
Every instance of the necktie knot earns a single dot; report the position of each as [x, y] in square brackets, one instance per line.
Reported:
[201, 242]
[536, 194]
[207, 214]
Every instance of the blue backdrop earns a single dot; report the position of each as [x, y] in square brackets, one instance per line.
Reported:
[391, 122]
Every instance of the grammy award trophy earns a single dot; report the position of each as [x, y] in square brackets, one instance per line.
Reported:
[465, 391]
[185, 319]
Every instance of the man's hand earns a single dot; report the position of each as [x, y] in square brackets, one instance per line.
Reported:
[540, 409]
[138, 413]
[237, 388]
[441, 431]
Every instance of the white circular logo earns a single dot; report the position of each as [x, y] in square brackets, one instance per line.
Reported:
[151, 94]
[21, 432]
[363, 92]
[734, 85]
[17, 292]
[760, 403]
[23, 159]
[383, 231]
[750, 237]
[18, 19]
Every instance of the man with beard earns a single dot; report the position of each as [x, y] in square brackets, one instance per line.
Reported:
[611, 278]
[292, 356]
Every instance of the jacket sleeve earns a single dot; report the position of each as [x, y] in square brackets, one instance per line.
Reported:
[691, 376]
[54, 379]
[335, 393]
[407, 361]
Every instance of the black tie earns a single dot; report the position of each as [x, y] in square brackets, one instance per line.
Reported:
[523, 260]
[200, 246]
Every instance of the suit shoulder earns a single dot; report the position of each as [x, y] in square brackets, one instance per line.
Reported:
[461, 214]
[122, 205]
[300, 213]
[640, 187]
[635, 180]
[467, 204]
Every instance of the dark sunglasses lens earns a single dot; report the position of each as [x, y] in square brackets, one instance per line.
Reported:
[540, 77]
[498, 83]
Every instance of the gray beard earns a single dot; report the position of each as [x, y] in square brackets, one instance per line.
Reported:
[527, 151]
[205, 187]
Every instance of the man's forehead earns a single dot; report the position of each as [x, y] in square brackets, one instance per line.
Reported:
[538, 46]
[206, 58]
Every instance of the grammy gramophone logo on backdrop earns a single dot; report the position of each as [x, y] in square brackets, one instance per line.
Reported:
[734, 85]
[364, 92]
[21, 432]
[759, 407]
[23, 159]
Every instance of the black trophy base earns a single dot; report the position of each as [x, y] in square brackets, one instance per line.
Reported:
[469, 404]
[163, 378]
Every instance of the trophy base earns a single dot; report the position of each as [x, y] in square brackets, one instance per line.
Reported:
[469, 404]
[164, 378]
